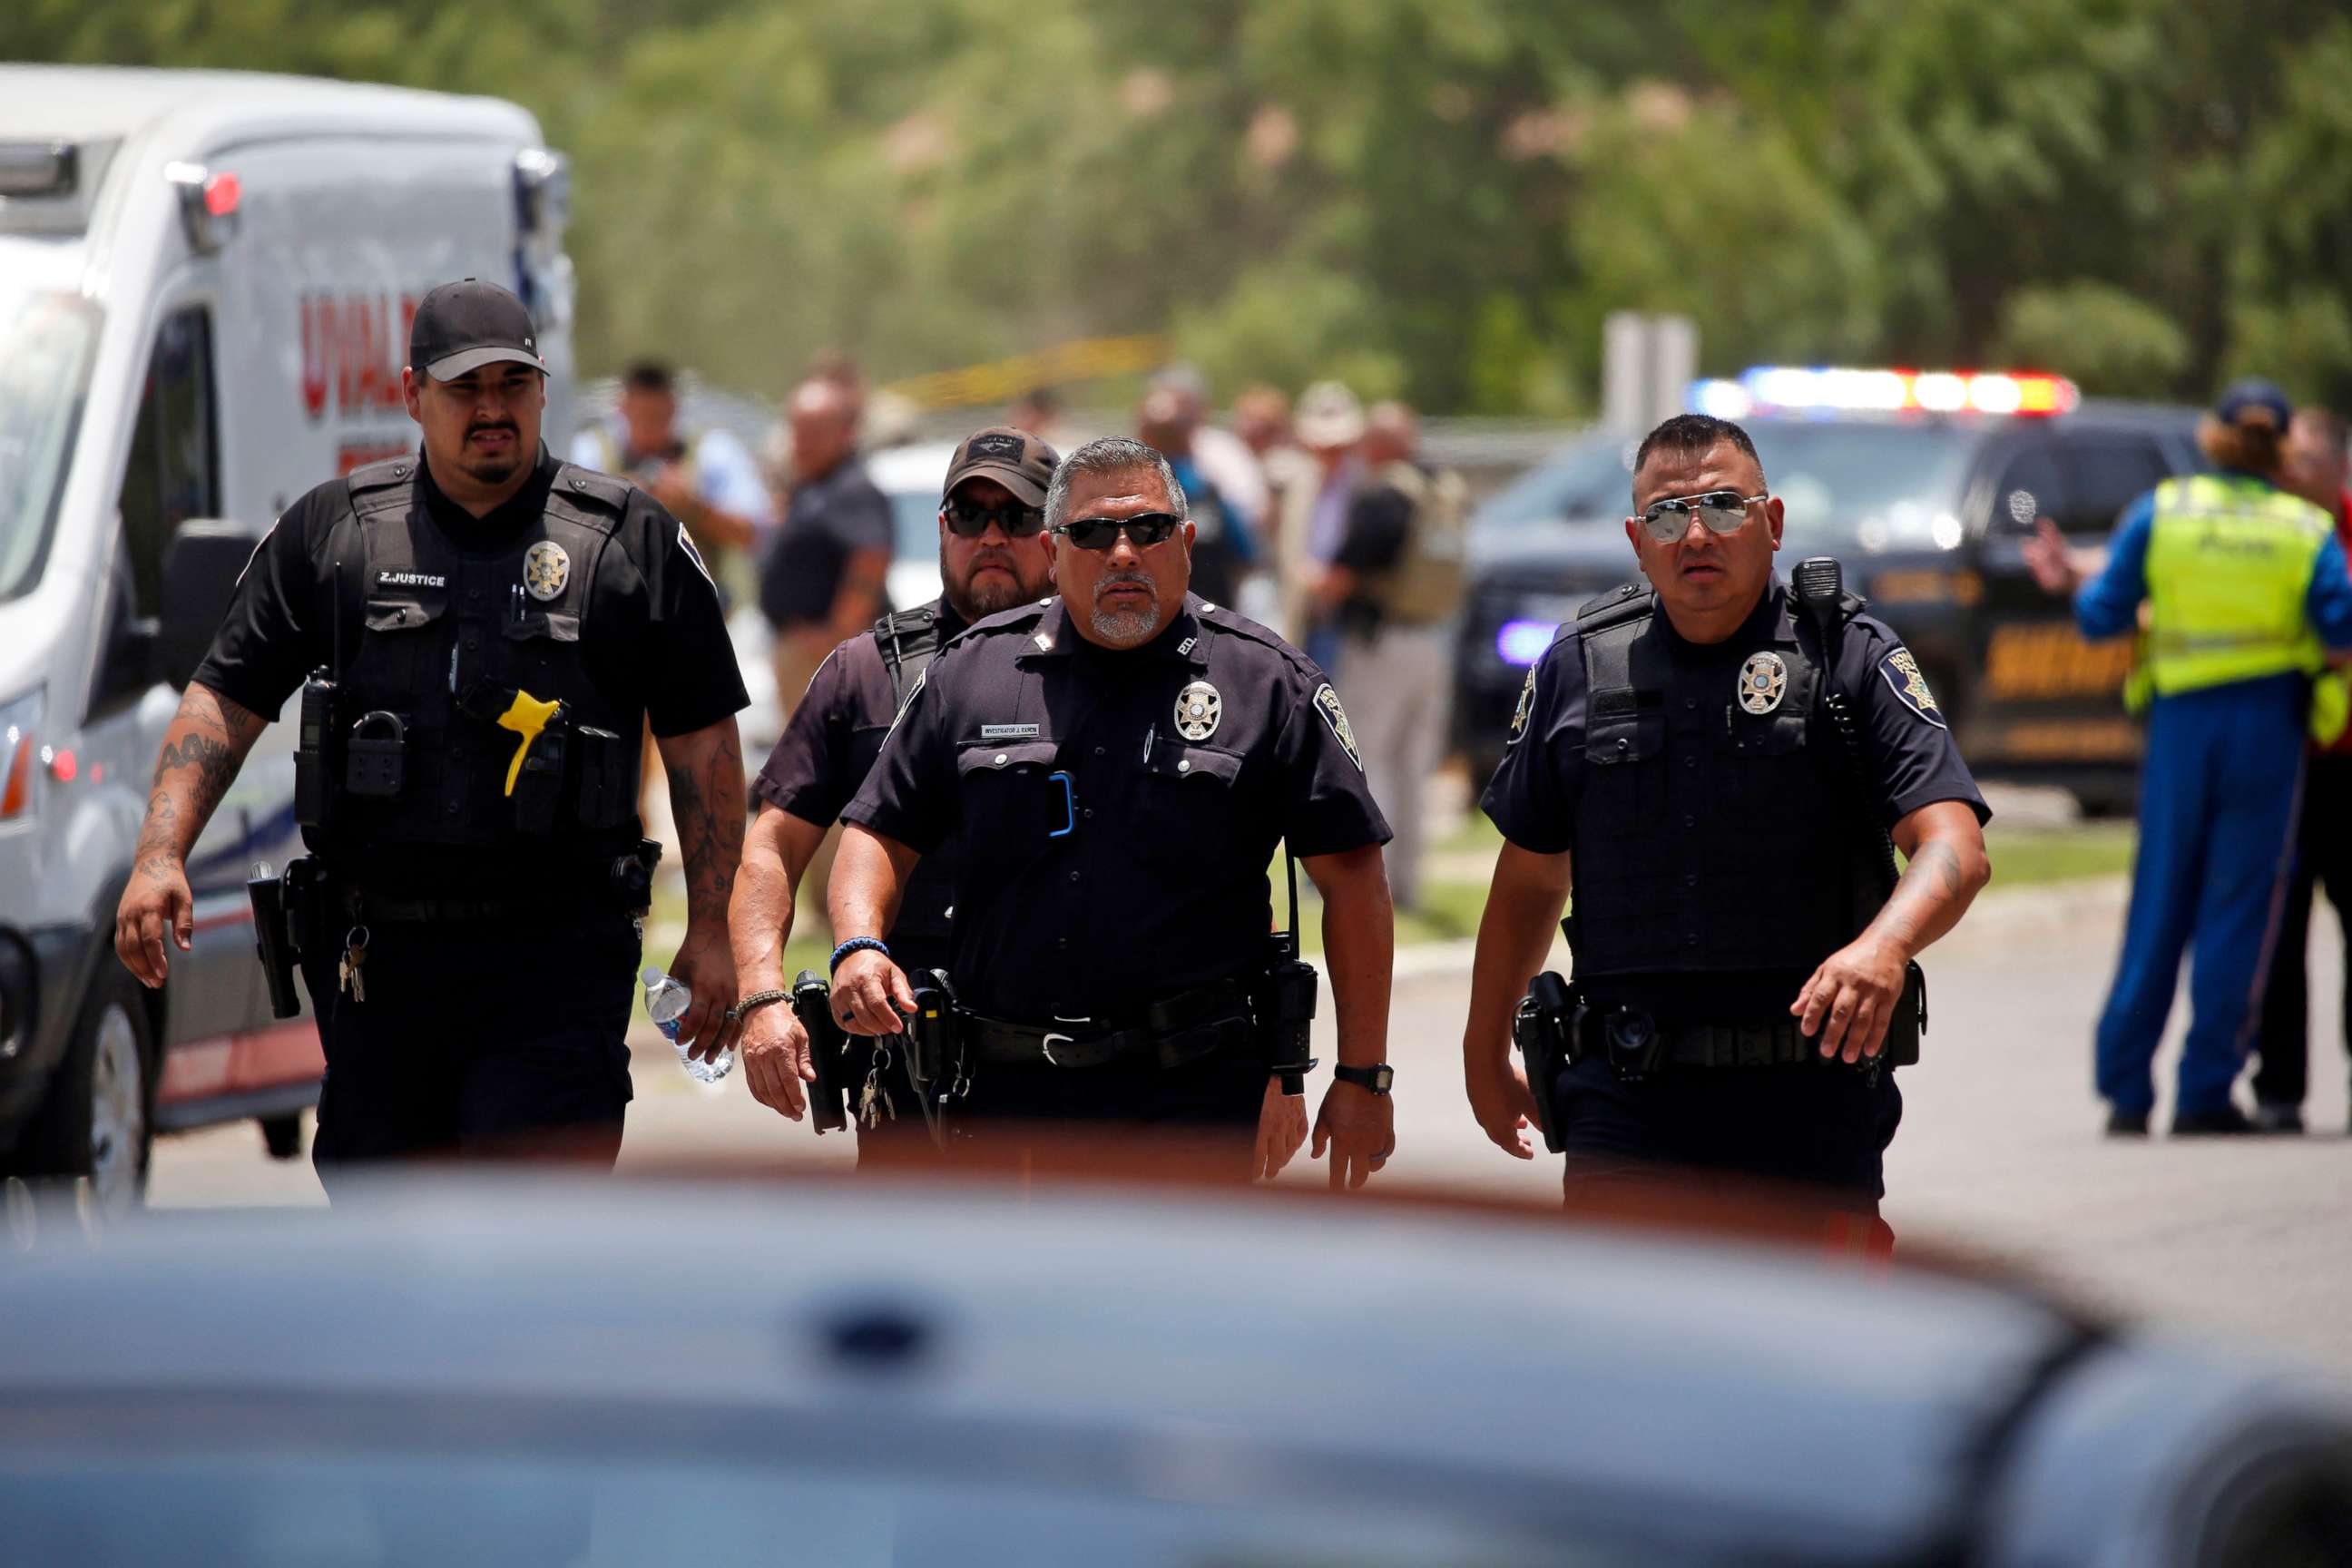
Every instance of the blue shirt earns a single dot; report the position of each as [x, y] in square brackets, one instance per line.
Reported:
[2108, 604]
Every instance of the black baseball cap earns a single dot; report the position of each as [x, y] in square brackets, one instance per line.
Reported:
[2256, 396]
[1013, 459]
[466, 325]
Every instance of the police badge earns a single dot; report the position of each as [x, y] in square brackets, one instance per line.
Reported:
[1198, 708]
[545, 569]
[1763, 681]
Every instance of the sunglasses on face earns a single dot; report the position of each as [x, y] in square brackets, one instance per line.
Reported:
[969, 519]
[1101, 533]
[1721, 510]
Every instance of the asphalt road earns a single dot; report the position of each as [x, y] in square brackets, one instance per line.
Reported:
[1999, 1152]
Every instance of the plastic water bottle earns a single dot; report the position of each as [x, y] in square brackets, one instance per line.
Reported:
[667, 1002]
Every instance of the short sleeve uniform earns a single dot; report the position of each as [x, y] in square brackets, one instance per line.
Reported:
[824, 754]
[656, 641]
[1116, 812]
[1908, 749]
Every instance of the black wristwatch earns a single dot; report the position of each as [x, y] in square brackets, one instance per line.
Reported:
[1376, 1079]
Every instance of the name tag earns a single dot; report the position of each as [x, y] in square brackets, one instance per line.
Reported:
[1008, 732]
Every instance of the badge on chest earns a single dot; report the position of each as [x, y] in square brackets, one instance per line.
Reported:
[545, 569]
[1198, 708]
[1763, 681]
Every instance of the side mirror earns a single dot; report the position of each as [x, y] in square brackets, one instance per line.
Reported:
[200, 568]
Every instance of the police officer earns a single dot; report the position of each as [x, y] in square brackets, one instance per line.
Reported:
[1712, 765]
[2246, 588]
[992, 556]
[487, 628]
[1117, 765]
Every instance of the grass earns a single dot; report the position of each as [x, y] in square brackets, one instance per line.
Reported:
[2024, 857]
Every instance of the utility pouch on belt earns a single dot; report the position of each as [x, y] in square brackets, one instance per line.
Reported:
[633, 876]
[317, 752]
[1282, 1001]
[273, 939]
[1910, 1021]
[1547, 1020]
[935, 1048]
[607, 788]
[828, 1048]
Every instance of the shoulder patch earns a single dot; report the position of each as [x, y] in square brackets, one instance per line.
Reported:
[686, 542]
[1526, 706]
[1903, 676]
[1326, 703]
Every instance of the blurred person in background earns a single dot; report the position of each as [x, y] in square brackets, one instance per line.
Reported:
[1222, 549]
[2318, 468]
[1039, 413]
[1329, 423]
[992, 556]
[708, 481]
[2245, 586]
[824, 579]
[1261, 420]
[707, 478]
[1395, 583]
[1223, 456]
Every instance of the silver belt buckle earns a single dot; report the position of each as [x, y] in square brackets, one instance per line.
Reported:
[1051, 1035]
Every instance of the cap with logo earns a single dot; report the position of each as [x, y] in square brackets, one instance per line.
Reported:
[463, 326]
[1329, 416]
[2248, 401]
[1013, 459]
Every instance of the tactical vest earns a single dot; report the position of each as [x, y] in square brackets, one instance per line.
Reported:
[2229, 565]
[447, 640]
[909, 641]
[1427, 584]
[1710, 837]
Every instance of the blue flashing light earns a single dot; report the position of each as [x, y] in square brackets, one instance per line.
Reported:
[1523, 642]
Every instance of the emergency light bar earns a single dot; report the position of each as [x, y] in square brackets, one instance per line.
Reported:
[1769, 389]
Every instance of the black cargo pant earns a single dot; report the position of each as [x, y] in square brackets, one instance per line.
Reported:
[476, 1038]
[1198, 1121]
[2322, 859]
[1816, 1131]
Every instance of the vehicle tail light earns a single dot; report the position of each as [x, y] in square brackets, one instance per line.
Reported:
[17, 746]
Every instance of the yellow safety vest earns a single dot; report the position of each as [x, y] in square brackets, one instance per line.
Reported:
[2229, 566]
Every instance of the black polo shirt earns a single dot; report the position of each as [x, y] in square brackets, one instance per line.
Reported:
[826, 754]
[828, 521]
[657, 643]
[1108, 858]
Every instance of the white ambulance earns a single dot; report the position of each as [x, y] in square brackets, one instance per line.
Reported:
[206, 285]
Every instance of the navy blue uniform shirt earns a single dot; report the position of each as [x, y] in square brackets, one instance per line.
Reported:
[1108, 858]
[1909, 754]
[825, 752]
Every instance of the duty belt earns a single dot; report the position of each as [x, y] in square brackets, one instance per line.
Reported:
[1776, 1044]
[1186, 1027]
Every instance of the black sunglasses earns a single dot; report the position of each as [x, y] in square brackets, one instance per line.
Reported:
[1722, 511]
[969, 519]
[1143, 532]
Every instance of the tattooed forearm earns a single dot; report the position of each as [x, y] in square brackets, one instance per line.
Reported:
[203, 750]
[706, 797]
[1948, 867]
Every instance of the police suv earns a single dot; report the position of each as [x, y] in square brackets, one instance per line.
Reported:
[1925, 484]
[205, 285]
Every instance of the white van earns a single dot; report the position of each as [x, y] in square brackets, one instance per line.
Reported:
[205, 285]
